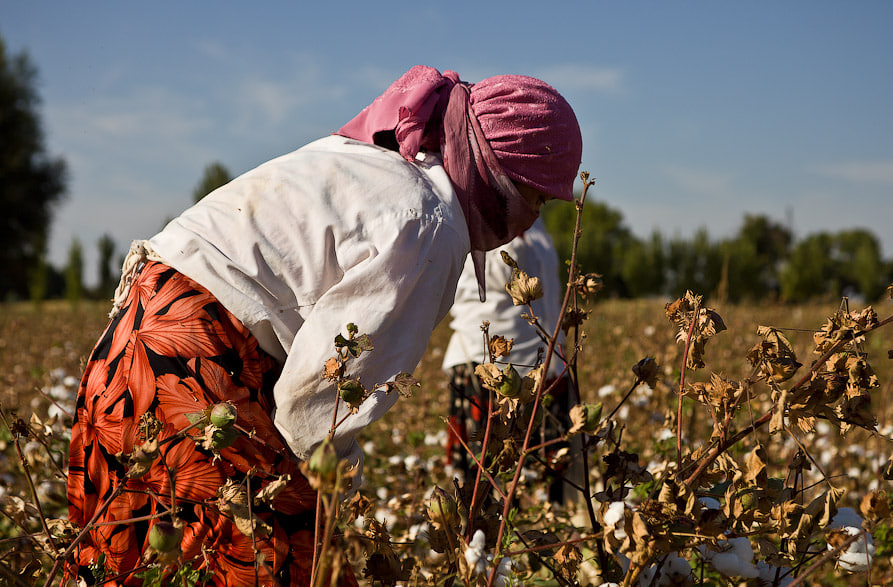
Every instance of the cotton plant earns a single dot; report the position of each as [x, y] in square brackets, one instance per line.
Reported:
[858, 555]
[480, 563]
[673, 570]
[734, 561]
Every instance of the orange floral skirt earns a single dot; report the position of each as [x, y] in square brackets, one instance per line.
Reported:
[171, 352]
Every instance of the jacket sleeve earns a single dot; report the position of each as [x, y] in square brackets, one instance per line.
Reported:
[396, 294]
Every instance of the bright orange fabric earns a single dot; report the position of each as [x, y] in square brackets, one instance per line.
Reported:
[171, 351]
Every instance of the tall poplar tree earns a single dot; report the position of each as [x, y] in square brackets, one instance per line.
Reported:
[31, 182]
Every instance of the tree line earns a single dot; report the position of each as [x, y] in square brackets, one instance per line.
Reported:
[761, 261]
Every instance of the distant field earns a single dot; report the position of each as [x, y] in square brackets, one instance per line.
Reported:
[35, 343]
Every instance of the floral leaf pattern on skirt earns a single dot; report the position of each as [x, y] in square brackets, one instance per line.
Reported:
[171, 351]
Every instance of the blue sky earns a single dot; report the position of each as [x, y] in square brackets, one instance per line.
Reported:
[693, 113]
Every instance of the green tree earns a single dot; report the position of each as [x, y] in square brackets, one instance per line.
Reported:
[762, 245]
[695, 265]
[602, 242]
[106, 287]
[810, 271]
[859, 263]
[214, 176]
[74, 273]
[643, 266]
[31, 182]
[38, 278]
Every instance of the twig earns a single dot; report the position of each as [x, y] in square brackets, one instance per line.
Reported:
[27, 468]
[691, 328]
[540, 387]
[60, 560]
[477, 462]
[729, 442]
[824, 557]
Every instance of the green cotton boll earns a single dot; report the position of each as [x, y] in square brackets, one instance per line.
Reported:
[351, 391]
[324, 460]
[165, 537]
[223, 415]
[510, 383]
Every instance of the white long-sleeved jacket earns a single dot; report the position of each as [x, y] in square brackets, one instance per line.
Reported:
[338, 231]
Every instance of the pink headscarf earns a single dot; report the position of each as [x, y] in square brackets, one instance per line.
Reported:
[507, 127]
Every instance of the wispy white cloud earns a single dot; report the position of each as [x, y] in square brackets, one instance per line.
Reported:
[877, 172]
[585, 78]
[143, 114]
[262, 102]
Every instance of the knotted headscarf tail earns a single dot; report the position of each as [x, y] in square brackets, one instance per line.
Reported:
[501, 129]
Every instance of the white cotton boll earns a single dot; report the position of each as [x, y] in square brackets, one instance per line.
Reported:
[614, 519]
[414, 531]
[382, 515]
[59, 392]
[422, 534]
[529, 475]
[666, 434]
[381, 493]
[649, 330]
[642, 394]
[614, 513]
[504, 573]
[656, 468]
[477, 541]
[726, 563]
[742, 548]
[606, 390]
[70, 381]
[395, 460]
[33, 452]
[437, 439]
[369, 447]
[609, 585]
[451, 472]
[736, 561]
[51, 491]
[676, 566]
[412, 462]
[623, 412]
[860, 554]
[673, 571]
[474, 554]
[59, 411]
